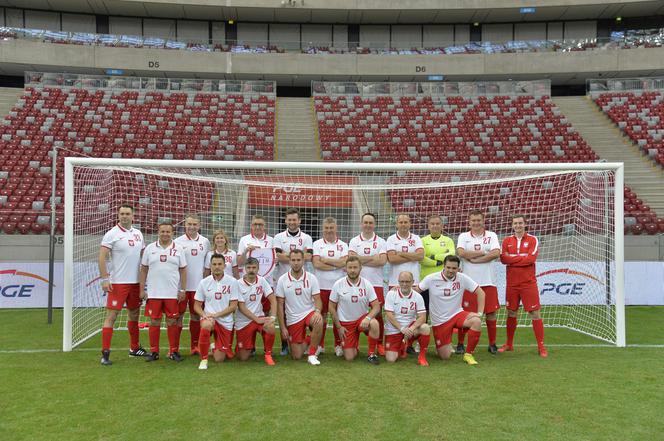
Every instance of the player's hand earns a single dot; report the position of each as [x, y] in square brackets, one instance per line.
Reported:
[364, 324]
[181, 296]
[407, 332]
[342, 333]
[284, 334]
[263, 320]
[252, 247]
[106, 286]
[142, 295]
[316, 319]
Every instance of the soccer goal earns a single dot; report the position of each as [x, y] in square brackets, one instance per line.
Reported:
[572, 208]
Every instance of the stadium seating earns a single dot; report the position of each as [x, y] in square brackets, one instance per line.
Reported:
[640, 116]
[126, 124]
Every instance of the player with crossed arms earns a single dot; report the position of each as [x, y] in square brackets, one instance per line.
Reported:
[406, 320]
[220, 294]
[350, 299]
[446, 290]
[298, 308]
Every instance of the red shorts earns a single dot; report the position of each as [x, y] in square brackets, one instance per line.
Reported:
[223, 338]
[380, 294]
[352, 338]
[394, 342]
[491, 303]
[325, 298]
[122, 293]
[154, 308]
[246, 337]
[528, 295]
[442, 334]
[188, 301]
[297, 331]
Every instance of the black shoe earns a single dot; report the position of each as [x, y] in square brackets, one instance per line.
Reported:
[253, 352]
[105, 358]
[140, 352]
[152, 357]
[493, 349]
[175, 356]
[460, 349]
[410, 350]
[373, 359]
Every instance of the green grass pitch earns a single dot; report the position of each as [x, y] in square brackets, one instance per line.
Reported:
[578, 393]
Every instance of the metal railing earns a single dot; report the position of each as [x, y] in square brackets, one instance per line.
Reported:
[447, 88]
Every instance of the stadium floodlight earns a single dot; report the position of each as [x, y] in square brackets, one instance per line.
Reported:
[573, 208]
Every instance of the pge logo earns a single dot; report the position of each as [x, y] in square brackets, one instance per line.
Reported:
[287, 189]
[566, 288]
[19, 290]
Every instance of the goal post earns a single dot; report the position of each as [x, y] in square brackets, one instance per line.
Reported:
[573, 208]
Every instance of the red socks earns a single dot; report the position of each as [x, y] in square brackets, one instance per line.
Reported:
[538, 328]
[106, 335]
[173, 338]
[154, 338]
[473, 339]
[337, 339]
[381, 326]
[268, 341]
[312, 350]
[373, 342]
[461, 335]
[133, 335]
[424, 344]
[491, 330]
[204, 343]
[511, 329]
[194, 332]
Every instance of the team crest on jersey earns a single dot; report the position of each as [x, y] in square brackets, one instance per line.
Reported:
[447, 292]
[404, 310]
[525, 244]
[477, 247]
[367, 250]
[292, 246]
[354, 299]
[404, 249]
[217, 295]
[298, 291]
[252, 297]
[163, 258]
[330, 253]
[194, 252]
[130, 242]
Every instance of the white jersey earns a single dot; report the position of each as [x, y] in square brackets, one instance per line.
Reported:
[164, 266]
[231, 261]
[353, 300]
[265, 254]
[368, 248]
[298, 295]
[332, 250]
[409, 244]
[217, 296]
[195, 251]
[252, 295]
[405, 309]
[482, 273]
[287, 242]
[445, 295]
[126, 246]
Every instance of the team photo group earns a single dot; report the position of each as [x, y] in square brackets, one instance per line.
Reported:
[435, 288]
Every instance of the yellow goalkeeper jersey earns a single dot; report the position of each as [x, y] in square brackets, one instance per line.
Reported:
[435, 251]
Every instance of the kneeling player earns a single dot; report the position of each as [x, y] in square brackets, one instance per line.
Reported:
[250, 318]
[446, 290]
[220, 293]
[406, 321]
[298, 307]
[350, 299]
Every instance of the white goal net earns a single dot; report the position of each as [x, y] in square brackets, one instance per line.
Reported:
[572, 208]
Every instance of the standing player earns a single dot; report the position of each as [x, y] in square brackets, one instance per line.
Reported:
[124, 245]
[285, 242]
[406, 321]
[164, 268]
[219, 293]
[329, 259]
[250, 318]
[350, 299]
[370, 249]
[298, 308]
[445, 295]
[519, 253]
[221, 246]
[404, 251]
[478, 248]
[195, 249]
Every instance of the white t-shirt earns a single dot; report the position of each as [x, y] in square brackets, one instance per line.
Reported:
[482, 273]
[369, 248]
[332, 250]
[195, 251]
[164, 266]
[445, 295]
[267, 259]
[404, 308]
[298, 295]
[409, 244]
[218, 295]
[287, 243]
[353, 300]
[252, 295]
[126, 246]
[231, 261]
